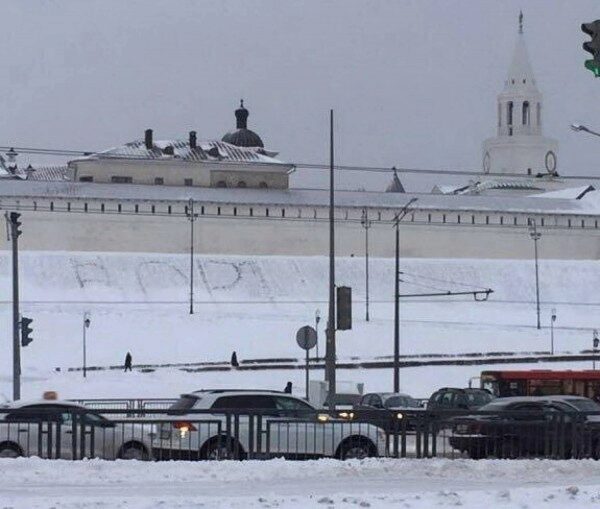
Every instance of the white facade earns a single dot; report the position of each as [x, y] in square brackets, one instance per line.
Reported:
[519, 146]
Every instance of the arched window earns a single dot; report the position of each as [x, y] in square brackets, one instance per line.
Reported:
[221, 183]
[241, 183]
[525, 119]
[509, 116]
[263, 185]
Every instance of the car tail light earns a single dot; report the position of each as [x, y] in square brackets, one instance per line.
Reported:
[184, 427]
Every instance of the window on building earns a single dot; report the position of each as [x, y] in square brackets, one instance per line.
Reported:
[169, 209]
[539, 114]
[85, 207]
[153, 209]
[267, 212]
[137, 209]
[119, 208]
[509, 116]
[378, 216]
[583, 223]
[121, 179]
[241, 183]
[188, 182]
[569, 223]
[221, 183]
[159, 181]
[251, 211]
[501, 219]
[458, 219]
[487, 219]
[86, 178]
[282, 212]
[499, 115]
[443, 218]
[542, 221]
[525, 111]
[263, 185]
[218, 211]
[51, 205]
[472, 219]
[102, 207]
[202, 210]
[68, 206]
[429, 218]
[515, 221]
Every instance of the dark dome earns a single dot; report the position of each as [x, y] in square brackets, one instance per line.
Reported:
[242, 136]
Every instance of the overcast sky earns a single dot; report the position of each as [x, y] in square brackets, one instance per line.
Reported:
[412, 83]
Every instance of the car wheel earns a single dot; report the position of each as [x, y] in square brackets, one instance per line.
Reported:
[222, 448]
[134, 452]
[9, 451]
[357, 449]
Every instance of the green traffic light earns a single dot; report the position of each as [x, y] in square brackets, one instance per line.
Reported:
[593, 66]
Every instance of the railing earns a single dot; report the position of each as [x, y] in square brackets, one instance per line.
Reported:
[73, 433]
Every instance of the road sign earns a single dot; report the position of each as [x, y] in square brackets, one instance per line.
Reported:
[306, 337]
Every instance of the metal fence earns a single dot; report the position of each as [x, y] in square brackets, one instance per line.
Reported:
[61, 432]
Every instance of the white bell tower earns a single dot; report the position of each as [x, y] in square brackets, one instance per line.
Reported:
[519, 146]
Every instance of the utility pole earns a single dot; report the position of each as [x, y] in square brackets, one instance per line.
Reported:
[192, 218]
[330, 332]
[14, 235]
[366, 223]
[397, 220]
[535, 236]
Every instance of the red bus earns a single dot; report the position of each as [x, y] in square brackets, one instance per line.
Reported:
[541, 382]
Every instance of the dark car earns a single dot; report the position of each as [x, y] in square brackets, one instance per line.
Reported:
[451, 398]
[560, 426]
[387, 410]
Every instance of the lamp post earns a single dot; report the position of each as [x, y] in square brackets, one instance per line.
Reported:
[397, 220]
[535, 236]
[317, 320]
[595, 344]
[579, 128]
[366, 224]
[192, 217]
[552, 320]
[86, 325]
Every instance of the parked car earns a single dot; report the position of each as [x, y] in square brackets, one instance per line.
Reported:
[289, 427]
[451, 398]
[45, 429]
[387, 410]
[529, 426]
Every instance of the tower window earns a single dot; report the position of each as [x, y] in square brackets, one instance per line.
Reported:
[525, 118]
[509, 116]
[539, 114]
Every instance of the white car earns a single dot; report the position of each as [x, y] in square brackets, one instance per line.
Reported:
[45, 429]
[288, 426]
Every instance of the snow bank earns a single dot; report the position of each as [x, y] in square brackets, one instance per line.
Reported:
[36, 483]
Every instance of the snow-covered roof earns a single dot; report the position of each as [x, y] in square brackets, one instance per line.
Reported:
[208, 150]
[485, 185]
[302, 197]
[571, 193]
[49, 173]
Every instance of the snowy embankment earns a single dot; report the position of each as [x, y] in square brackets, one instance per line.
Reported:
[33, 483]
[254, 305]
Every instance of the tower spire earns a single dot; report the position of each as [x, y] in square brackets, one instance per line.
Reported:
[520, 22]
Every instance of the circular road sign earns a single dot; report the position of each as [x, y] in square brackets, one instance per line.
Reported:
[306, 337]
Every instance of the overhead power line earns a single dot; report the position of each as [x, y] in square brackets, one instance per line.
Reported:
[313, 166]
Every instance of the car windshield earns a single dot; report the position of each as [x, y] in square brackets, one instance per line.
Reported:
[401, 401]
[478, 398]
[184, 403]
[584, 405]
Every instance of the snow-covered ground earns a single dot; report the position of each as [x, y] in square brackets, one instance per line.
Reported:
[34, 483]
[254, 305]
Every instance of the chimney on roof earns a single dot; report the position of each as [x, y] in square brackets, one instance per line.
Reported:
[148, 139]
[193, 140]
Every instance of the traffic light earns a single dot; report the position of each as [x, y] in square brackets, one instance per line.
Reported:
[592, 29]
[344, 308]
[26, 330]
[14, 220]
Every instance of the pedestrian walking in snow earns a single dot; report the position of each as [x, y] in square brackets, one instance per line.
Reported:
[288, 388]
[234, 361]
[128, 362]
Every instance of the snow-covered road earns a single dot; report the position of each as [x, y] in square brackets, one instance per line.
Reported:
[34, 483]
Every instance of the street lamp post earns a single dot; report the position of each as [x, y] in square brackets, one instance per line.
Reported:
[366, 224]
[552, 320]
[595, 344]
[579, 128]
[86, 325]
[535, 236]
[317, 320]
[397, 220]
[192, 217]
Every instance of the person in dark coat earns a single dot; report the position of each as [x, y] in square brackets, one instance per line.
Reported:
[288, 388]
[234, 361]
[128, 361]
